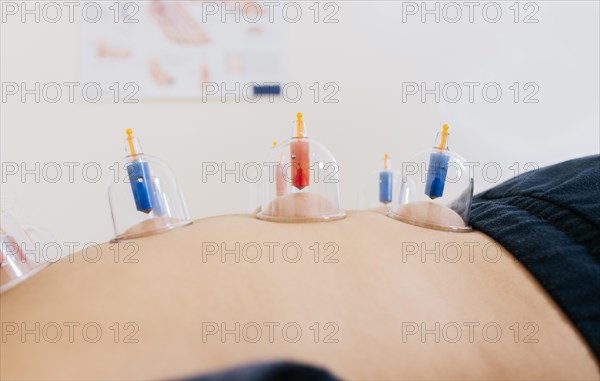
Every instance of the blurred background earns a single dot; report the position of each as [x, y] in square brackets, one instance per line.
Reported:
[518, 83]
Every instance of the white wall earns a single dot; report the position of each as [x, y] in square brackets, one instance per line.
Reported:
[369, 53]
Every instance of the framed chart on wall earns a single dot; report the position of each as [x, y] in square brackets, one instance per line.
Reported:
[179, 49]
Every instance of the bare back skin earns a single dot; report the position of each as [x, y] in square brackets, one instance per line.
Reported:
[366, 297]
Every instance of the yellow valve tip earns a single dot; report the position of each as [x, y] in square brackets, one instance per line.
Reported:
[385, 161]
[299, 126]
[274, 143]
[444, 140]
[129, 133]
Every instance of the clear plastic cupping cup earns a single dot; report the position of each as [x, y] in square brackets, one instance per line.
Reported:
[377, 189]
[22, 251]
[145, 198]
[435, 189]
[303, 181]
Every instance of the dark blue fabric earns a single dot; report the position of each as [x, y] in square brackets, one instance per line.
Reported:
[549, 219]
[272, 371]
